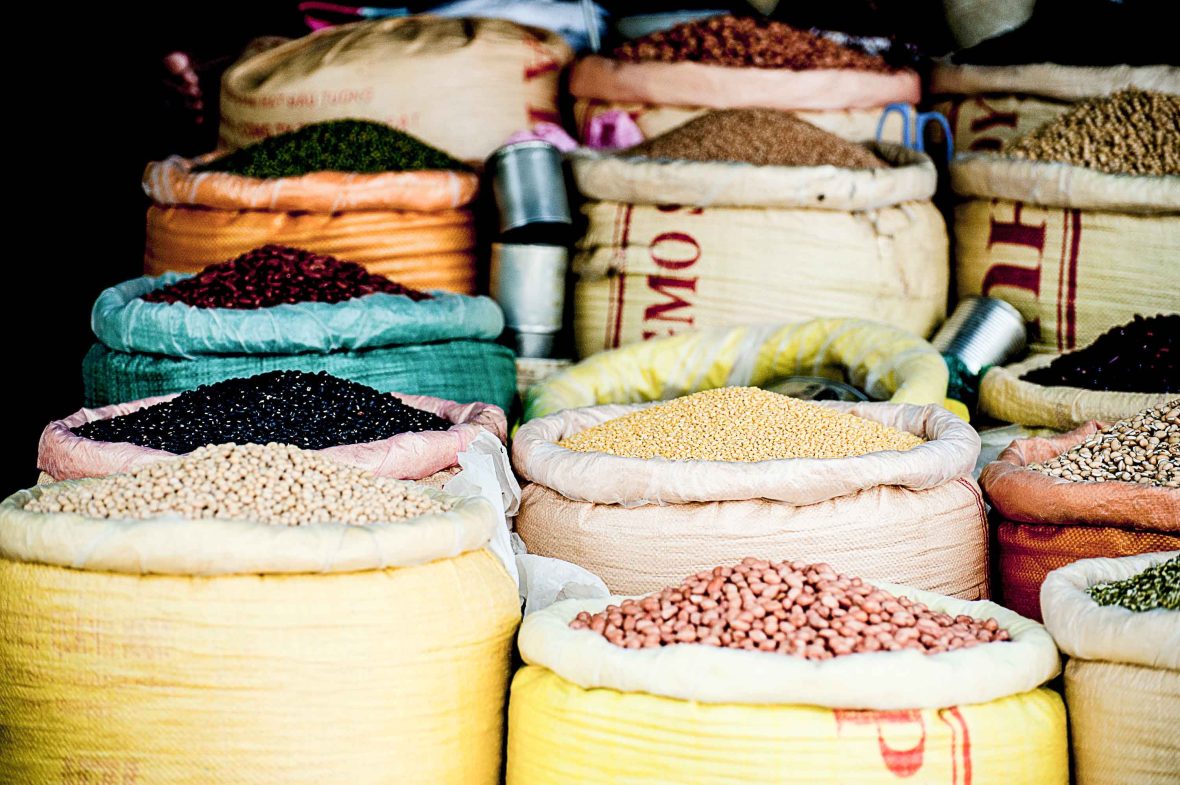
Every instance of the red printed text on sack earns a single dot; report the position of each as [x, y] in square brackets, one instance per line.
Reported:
[1013, 231]
[900, 761]
[675, 253]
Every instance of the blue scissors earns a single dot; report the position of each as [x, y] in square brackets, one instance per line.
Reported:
[913, 127]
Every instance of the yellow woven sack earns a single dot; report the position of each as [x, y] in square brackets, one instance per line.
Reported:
[588, 712]
[884, 361]
[1075, 250]
[215, 652]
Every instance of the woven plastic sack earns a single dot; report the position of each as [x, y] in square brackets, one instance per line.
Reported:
[173, 182]
[586, 711]
[462, 85]
[643, 524]
[422, 250]
[989, 105]
[1075, 250]
[857, 125]
[882, 360]
[1044, 522]
[1004, 396]
[406, 456]
[123, 321]
[462, 371]
[1122, 681]
[172, 652]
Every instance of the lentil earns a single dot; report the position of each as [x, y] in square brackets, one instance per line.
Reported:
[763, 137]
[273, 483]
[1129, 132]
[739, 424]
[308, 410]
[1156, 587]
[335, 146]
[746, 42]
[794, 608]
[1140, 356]
[275, 275]
[1143, 449]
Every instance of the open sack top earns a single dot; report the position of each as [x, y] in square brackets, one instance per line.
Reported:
[884, 361]
[178, 546]
[726, 87]
[617, 177]
[1005, 396]
[1056, 184]
[124, 321]
[405, 456]
[878, 680]
[1085, 629]
[1050, 80]
[1021, 494]
[173, 182]
[950, 452]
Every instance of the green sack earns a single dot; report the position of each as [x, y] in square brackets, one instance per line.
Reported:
[463, 371]
[123, 321]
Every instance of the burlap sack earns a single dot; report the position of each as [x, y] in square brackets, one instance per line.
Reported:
[857, 125]
[422, 250]
[643, 524]
[989, 105]
[406, 456]
[462, 85]
[1122, 681]
[1005, 396]
[1044, 522]
[1075, 250]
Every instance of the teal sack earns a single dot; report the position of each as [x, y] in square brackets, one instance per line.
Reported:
[123, 321]
[463, 371]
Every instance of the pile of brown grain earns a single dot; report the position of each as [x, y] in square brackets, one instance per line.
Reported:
[757, 136]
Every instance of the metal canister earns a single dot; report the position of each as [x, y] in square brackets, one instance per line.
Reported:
[982, 331]
[529, 185]
[528, 281]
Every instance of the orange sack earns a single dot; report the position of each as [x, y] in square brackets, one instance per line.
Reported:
[1044, 522]
[409, 226]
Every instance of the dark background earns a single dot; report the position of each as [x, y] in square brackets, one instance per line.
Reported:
[91, 105]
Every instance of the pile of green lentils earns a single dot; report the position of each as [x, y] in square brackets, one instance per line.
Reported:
[1156, 587]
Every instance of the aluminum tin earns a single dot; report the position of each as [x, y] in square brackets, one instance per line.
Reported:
[528, 281]
[982, 331]
[529, 185]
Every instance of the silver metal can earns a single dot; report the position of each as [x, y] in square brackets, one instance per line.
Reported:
[982, 331]
[528, 281]
[529, 185]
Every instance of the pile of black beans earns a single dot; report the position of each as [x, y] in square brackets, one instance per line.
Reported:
[1140, 356]
[308, 410]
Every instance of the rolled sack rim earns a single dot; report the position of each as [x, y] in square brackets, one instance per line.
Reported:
[619, 177]
[1050, 80]
[737, 87]
[877, 680]
[950, 452]
[1024, 495]
[172, 545]
[1058, 184]
[1084, 629]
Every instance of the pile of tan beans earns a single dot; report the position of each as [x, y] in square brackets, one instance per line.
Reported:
[273, 483]
[1129, 132]
[1143, 449]
[804, 610]
[739, 424]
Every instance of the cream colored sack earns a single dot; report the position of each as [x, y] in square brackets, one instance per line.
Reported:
[1122, 682]
[1075, 250]
[646, 271]
[586, 711]
[643, 524]
[857, 125]
[1005, 396]
[462, 85]
[989, 105]
[177, 652]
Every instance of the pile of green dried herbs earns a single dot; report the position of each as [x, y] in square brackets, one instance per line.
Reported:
[333, 146]
[1156, 587]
